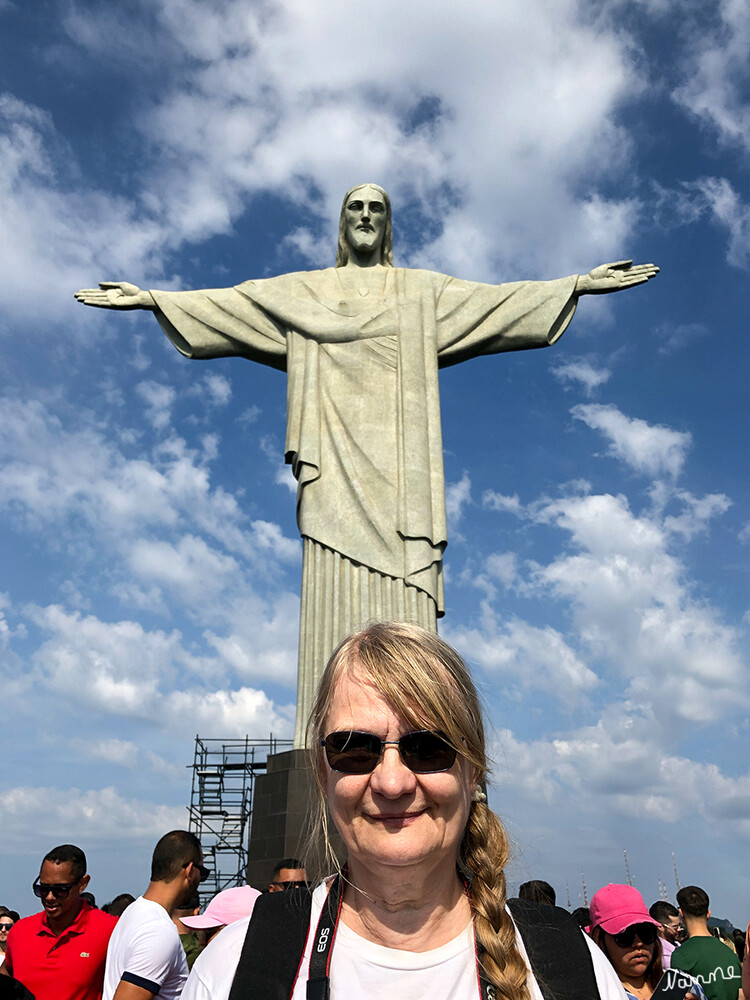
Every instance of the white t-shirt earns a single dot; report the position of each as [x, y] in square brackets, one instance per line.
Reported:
[362, 969]
[145, 949]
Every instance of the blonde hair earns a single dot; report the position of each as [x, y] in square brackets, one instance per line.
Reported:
[386, 247]
[429, 686]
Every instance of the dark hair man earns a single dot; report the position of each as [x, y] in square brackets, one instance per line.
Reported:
[289, 873]
[59, 954]
[145, 956]
[714, 965]
[537, 891]
[669, 919]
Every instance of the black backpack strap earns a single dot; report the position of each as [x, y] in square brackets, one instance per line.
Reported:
[274, 946]
[558, 952]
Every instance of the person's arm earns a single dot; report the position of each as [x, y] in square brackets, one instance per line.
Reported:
[116, 295]
[614, 277]
[129, 991]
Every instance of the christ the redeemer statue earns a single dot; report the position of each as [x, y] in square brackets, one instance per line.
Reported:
[361, 344]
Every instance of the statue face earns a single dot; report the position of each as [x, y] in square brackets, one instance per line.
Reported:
[365, 219]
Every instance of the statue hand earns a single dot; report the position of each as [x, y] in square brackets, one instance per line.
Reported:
[116, 295]
[614, 277]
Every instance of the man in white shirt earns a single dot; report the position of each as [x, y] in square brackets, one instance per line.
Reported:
[145, 957]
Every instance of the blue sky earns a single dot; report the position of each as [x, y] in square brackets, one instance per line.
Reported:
[597, 570]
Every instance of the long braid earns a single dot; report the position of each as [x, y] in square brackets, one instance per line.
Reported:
[484, 854]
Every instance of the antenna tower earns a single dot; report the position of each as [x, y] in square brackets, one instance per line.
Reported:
[627, 868]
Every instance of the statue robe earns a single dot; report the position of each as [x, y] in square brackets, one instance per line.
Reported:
[363, 422]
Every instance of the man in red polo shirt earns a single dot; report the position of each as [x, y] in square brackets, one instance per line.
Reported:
[59, 954]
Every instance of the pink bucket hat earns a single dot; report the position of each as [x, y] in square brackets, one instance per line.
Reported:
[615, 907]
[225, 908]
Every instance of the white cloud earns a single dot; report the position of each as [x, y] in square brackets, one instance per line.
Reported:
[59, 233]
[647, 448]
[585, 374]
[713, 198]
[528, 658]
[634, 611]
[268, 536]
[52, 474]
[214, 389]
[457, 495]
[122, 670]
[75, 815]
[716, 74]
[260, 640]
[158, 399]
[503, 566]
[696, 514]
[731, 212]
[197, 572]
[249, 416]
[675, 337]
[620, 764]
[112, 750]
[502, 502]
[125, 753]
[230, 713]
[285, 477]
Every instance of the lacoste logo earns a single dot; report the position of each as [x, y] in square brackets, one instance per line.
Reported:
[85, 954]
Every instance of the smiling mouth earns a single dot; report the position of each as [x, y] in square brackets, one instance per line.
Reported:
[395, 817]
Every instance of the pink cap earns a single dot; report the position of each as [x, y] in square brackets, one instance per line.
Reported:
[615, 907]
[225, 908]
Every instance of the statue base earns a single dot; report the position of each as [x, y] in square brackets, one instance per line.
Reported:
[283, 799]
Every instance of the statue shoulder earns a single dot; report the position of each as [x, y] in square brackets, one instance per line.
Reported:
[418, 273]
[290, 282]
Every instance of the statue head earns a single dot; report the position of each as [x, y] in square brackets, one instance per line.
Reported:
[375, 222]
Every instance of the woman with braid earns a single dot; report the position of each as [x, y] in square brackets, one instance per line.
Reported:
[418, 910]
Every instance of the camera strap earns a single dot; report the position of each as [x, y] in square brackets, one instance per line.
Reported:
[319, 982]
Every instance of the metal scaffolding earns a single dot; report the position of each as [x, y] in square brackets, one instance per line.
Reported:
[221, 800]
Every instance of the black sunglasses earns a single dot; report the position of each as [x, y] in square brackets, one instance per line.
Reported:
[625, 939]
[60, 890]
[423, 752]
[204, 872]
[292, 884]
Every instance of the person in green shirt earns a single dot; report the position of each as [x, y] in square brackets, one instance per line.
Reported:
[715, 966]
[191, 940]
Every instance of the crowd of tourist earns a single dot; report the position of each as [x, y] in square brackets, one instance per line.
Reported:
[419, 909]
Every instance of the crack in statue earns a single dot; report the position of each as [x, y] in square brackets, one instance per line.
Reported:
[361, 344]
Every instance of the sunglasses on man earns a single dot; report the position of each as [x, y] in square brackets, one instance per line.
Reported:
[291, 884]
[60, 890]
[204, 872]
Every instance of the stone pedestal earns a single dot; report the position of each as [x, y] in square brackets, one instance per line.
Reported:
[283, 798]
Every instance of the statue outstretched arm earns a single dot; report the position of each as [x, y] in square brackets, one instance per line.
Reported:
[614, 277]
[116, 295]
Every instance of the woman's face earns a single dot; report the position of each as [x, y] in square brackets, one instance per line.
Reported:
[392, 817]
[631, 962]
